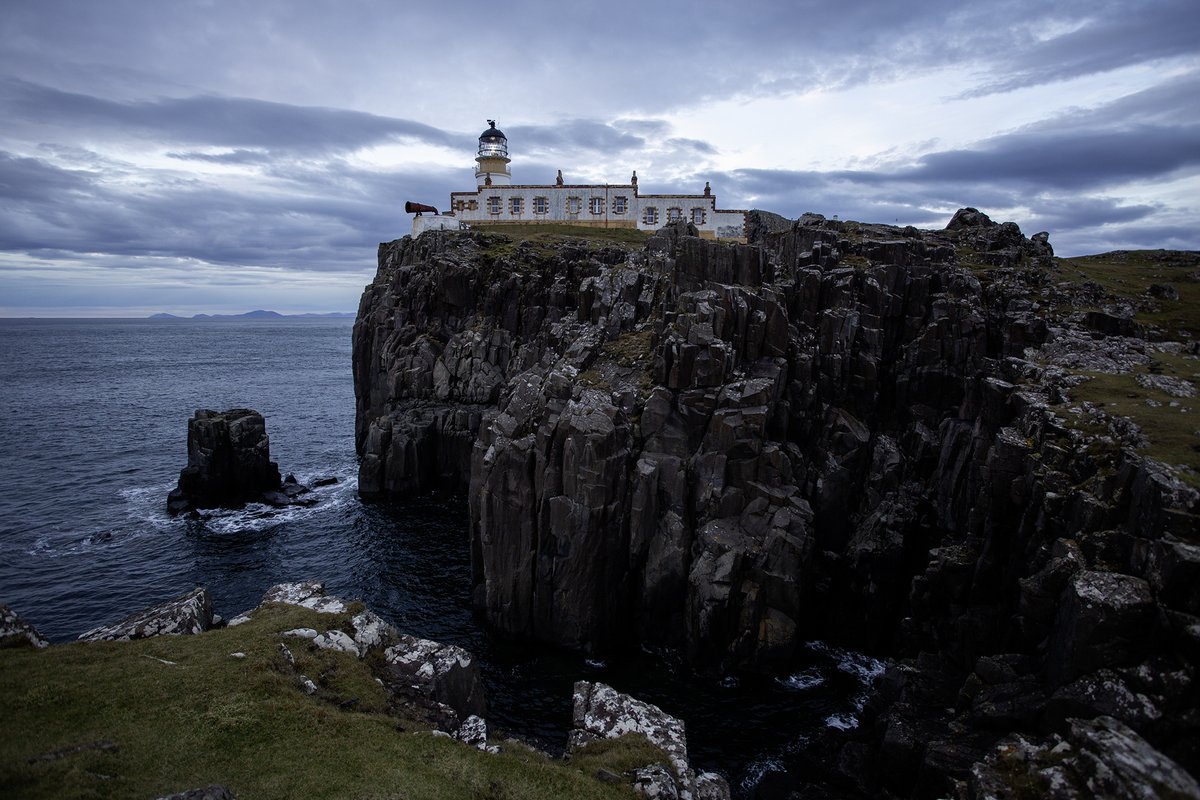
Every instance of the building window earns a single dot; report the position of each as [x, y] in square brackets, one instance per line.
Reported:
[674, 214]
[650, 215]
[493, 205]
[541, 205]
[472, 205]
[514, 205]
[620, 205]
[460, 205]
[574, 204]
[697, 216]
[596, 205]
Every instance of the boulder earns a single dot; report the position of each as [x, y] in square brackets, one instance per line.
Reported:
[473, 731]
[655, 782]
[15, 631]
[1105, 619]
[306, 594]
[339, 641]
[433, 672]
[187, 614]
[969, 218]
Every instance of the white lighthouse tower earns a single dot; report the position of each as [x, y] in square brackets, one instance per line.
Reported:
[491, 165]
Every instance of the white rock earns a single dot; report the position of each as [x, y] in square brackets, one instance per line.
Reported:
[711, 786]
[309, 686]
[13, 628]
[372, 630]
[655, 782]
[187, 614]
[602, 712]
[338, 641]
[306, 594]
[237, 655]
[473, 731]
[240, 619]
[301, 633]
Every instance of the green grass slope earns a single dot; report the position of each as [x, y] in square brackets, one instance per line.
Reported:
[157, 716]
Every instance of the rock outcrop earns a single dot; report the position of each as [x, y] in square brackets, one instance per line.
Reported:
[189, 613]
[859, 433]
[15, 631]
[601, 712]
[443, 678]
[229, 465]
[1101, 759]
[444, 673]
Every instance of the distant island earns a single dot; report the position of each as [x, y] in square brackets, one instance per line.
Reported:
[259, 314]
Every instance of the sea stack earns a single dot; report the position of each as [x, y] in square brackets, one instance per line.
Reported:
[229, 464]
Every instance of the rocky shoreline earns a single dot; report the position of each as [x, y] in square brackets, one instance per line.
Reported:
[859, 433]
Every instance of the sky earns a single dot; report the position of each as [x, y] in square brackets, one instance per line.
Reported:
[223, 156]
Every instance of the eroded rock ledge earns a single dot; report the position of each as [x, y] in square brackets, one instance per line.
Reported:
[840, 432]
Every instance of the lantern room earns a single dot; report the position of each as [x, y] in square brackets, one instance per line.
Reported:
[492, 162]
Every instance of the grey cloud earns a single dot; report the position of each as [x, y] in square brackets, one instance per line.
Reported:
[694, 145]
[239, 156]
[1082, 159]
[330, 221]
[1119, 35]
[634, 56]
[573, 136]
[34, 178]
[216, 121]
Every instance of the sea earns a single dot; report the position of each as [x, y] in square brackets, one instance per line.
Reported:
[93, 433]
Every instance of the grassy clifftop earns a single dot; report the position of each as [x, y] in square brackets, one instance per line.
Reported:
[157, 716]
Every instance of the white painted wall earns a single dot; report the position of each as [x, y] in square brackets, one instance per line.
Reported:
[723, 224]
[434, 222]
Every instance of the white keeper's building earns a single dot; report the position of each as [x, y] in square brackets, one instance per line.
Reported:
[498, 201]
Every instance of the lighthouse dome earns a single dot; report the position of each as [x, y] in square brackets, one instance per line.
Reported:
[493, 142]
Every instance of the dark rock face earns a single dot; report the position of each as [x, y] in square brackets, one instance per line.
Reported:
[842, 433]
[229, 465]
[187, 614]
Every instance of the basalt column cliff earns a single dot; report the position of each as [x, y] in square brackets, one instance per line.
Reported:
[862, 433]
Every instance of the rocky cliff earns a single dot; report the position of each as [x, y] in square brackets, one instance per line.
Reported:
[862, 433]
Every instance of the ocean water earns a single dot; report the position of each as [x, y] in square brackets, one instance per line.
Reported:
[93, 433]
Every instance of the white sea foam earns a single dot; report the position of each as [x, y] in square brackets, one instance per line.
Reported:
[858, 665]
[148, 504]
[803, 680]
[861, 666]
[757, 770]
[842, 721]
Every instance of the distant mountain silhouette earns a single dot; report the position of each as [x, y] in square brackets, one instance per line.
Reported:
[259, 314]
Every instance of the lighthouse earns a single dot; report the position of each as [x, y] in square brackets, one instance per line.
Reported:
[491, 165]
